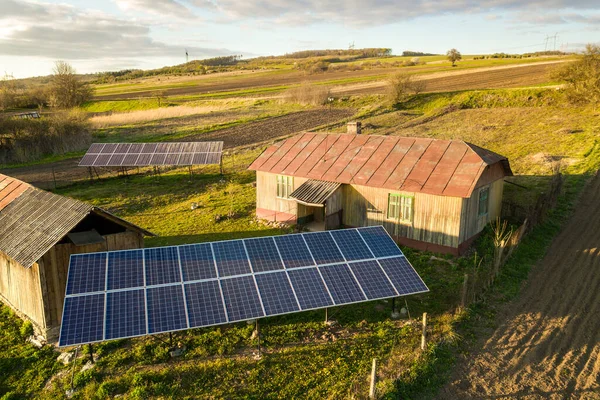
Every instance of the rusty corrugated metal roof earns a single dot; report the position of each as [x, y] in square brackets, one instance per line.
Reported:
[314, 191]
[432, 166]
[33, 220]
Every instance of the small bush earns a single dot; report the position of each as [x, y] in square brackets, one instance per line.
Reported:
[83, 378]
[25, 140]
[307, 94]
[26, 329]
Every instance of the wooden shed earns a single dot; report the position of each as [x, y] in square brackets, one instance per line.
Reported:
[39, 231]
[430, 194]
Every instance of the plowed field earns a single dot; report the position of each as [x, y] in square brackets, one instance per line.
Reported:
[548, 345]
[256, 132]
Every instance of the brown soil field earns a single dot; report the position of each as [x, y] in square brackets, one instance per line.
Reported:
[272, 128]
[547, 345]
[67, 172]
[499, 78]
[481, 78]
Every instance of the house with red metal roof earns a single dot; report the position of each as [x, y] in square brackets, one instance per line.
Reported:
[39, 231]
[429, 194]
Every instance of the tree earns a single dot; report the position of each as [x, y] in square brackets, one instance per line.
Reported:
[8, 92]
[66, 90]
[453, 56]
[582, 77]
[400, 86]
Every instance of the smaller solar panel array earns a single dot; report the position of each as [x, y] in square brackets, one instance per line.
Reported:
[152, 154]
[131, 293]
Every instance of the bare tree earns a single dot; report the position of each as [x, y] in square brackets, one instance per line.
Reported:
[583, 77]
[453, 56]
[401, 86]
[159, 95]
[66, 90]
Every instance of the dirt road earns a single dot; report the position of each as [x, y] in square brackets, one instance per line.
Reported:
[548, 345]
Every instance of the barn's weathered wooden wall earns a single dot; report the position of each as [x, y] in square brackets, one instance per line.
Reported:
[55, 266]
[20, 289]
[436, 218]
[267, 202]
[473, 223]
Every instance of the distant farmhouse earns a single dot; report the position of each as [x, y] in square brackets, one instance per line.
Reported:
[430, 194]
[38, 233]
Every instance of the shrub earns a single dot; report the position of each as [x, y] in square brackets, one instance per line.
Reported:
[401, 86]
[25, 140]
[307, 94]
[26, 329]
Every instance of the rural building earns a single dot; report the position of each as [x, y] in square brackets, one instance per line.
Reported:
[38, 233]
[430, 194]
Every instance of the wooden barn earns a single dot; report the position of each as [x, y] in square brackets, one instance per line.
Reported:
[430, 194]
[38, 233]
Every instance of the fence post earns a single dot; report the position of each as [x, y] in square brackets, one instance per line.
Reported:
[424, 333]
[373, 379]
[463, 300]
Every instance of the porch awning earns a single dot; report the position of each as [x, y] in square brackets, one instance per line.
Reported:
[314, 192]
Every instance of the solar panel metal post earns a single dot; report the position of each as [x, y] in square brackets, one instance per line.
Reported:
[395, 313]
[326, 315]
[91, 351]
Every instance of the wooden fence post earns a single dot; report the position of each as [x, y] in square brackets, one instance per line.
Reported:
[424, 333]
[372, 390]
[463, 300]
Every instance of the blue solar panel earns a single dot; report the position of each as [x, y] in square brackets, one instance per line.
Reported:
[293, 251]
[162, 266]
[372, 279]
[351, 244]
[231, 258]
[341, 284]
[197, 262]
[276, 293]
[166, 310]
[380, 243]
[125, 314]
[83, 319]
[205, 305]
[241, 298]
[87, 273]
[125, 269]
[403, 275]
[263, 254]
[323, 248]
[310, 289]
[229, 281]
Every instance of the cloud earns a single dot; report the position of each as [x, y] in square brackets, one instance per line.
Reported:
[65, 32]
[158, 7]
[373, 12]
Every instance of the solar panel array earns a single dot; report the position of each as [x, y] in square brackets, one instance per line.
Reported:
[139, 292]
[152, 154]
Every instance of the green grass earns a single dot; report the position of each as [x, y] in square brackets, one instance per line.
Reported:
[24, 369]
[98, 106]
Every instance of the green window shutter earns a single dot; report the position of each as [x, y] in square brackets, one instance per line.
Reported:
[484, 195]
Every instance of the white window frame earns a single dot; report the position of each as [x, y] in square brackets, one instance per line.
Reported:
[285, 186]
[483, 190]
[405, 205]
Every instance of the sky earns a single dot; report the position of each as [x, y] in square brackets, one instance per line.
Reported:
[109, 35]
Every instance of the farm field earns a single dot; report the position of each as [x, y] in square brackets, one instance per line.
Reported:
[547, 343]
[303, 357]
[280, 80]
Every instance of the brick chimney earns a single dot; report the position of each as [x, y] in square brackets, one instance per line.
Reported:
[354, 128]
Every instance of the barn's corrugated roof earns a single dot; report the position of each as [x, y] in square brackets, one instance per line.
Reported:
[314, 191]
[438, 167]
[33, 220]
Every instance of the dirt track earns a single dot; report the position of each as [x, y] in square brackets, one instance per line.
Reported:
[548, 345]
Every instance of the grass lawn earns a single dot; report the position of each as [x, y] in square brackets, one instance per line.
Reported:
[303, 357]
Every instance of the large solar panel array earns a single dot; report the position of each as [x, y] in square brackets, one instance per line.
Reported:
[152, 154]
[139, 292]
